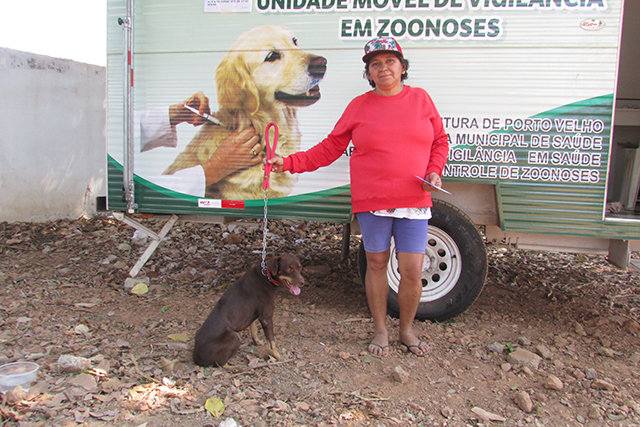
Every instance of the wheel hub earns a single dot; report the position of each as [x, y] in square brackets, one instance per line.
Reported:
[440, 269]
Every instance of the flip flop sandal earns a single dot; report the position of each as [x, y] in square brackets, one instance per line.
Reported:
[382, 348]
[416, 348]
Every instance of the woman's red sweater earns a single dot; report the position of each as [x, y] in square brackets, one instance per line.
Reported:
[394, 138]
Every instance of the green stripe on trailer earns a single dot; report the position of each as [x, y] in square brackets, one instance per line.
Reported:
[333, 205]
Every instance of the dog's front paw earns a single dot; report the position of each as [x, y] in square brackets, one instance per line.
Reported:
[275, 353]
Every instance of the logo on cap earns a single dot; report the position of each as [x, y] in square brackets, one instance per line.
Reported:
[381, 44]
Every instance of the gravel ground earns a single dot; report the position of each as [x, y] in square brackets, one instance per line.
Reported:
[553, 340]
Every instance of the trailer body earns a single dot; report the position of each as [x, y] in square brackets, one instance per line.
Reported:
[527, 90]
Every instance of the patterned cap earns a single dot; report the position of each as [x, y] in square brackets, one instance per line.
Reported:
[381, 44]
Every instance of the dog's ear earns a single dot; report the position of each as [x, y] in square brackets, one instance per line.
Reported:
[236, 89]
[273, 264]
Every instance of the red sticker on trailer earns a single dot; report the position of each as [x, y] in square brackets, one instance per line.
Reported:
[233, 204]
[220, 204]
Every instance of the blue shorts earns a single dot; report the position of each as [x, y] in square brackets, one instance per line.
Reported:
[410, 235]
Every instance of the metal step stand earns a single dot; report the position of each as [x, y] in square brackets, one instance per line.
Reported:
[156, 238]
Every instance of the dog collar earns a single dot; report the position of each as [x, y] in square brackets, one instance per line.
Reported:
[272, 280]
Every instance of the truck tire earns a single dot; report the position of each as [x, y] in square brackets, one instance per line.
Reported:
[454, 269]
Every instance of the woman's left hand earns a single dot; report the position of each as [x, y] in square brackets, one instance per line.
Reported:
[434, 179]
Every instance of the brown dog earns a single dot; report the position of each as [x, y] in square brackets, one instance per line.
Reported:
[251, 297]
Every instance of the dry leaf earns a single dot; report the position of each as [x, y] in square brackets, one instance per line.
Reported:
[82, 330]
[179, 337]
[86, 381]
[254, 362]
[214, 406]
[168, 364]
[85, 304]
[140, 289]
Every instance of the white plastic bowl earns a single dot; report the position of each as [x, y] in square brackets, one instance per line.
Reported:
[17, 373]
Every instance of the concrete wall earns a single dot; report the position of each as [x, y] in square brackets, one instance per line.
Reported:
[52, 143]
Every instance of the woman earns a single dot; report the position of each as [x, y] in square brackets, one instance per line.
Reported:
[397, 134]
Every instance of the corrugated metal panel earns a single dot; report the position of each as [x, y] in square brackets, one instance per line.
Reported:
[557, 210]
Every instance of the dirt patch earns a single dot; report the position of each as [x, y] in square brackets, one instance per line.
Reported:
[553, 339]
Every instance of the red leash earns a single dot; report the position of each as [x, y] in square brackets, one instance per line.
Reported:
[271, 151]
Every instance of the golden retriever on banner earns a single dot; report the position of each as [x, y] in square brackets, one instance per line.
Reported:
[263, 78]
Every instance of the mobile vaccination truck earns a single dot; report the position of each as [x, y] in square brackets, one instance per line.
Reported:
[538, 97]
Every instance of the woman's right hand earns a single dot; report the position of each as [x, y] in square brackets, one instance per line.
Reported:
[277, 163]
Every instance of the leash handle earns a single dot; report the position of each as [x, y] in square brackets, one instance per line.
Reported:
[271, 151]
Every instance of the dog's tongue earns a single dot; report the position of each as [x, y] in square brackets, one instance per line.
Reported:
[292, 288]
